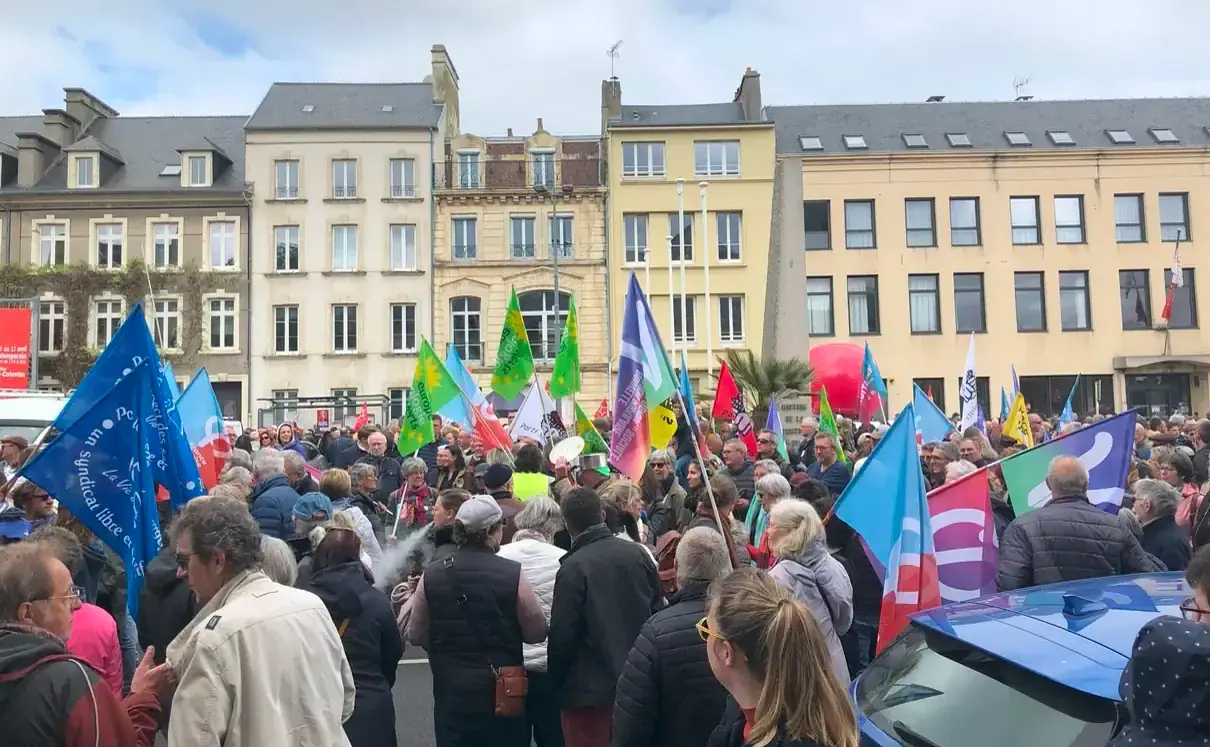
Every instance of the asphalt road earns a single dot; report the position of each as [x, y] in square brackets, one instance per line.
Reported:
[414, 700]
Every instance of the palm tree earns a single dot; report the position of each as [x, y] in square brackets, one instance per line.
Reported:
[762, 379]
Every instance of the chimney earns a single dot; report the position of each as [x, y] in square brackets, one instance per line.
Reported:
[34, 153]
[539, 126]
[59, 127]
[748, 95]
[445, 89]
[611, 102]
[86, 108]
[510, 132]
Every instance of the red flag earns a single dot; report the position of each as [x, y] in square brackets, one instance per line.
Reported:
[363, 418]
[488, 429]
[729, 405]
[1177, 281]
[929, 393]
[603, 410]
[964, 537]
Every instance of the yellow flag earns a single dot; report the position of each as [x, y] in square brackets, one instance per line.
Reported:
[663, 426]
[1016, 425]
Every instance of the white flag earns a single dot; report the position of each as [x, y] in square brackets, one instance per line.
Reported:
[537, 418]
[968, 393]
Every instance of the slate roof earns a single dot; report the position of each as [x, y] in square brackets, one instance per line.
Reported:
[681, 115]
[985, 123]
[147, 145]
[91, 145]
[10, 126]
[347, 106]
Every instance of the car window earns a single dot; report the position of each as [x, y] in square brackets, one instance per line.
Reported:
[929, 690]
[28, 431]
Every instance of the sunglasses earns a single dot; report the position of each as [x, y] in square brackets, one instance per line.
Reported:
[1190, 610]
[704, 631]
[659, 464]
[765, 441]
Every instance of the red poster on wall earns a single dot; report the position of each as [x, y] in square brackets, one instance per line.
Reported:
[14, 348]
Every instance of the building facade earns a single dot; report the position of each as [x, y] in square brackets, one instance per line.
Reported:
[102, 211]
[1031, 224]
[525, 213]
[691, 190]
[342, 291]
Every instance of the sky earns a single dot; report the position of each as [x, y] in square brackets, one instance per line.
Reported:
[522, 59]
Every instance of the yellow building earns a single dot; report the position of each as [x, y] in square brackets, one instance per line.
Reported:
[525, 213]
[709, 169]
[1032, 224]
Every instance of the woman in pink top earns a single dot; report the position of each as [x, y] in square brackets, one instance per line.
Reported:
[94, 638]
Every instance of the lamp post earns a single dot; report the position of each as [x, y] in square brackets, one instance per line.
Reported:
[555, 250]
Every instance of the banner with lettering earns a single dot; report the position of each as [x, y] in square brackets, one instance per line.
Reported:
[14, 347]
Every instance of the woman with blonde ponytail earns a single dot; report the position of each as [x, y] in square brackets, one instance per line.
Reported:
[766, 649]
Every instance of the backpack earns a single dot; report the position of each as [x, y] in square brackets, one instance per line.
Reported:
[665, 560]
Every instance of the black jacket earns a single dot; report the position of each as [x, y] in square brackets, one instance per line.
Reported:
[605, 590]
[166, 604]
[372, 645]
[1201, 465]
[390, 476]
[1068, 539]
[1166, 686]
[1167, 542]
[730, 731]
[667, 696]
[804, 453]
[306, 485]
[347, 452]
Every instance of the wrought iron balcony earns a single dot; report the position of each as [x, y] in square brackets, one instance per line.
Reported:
[518, 174]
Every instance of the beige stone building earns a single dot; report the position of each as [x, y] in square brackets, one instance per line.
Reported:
[525, 213]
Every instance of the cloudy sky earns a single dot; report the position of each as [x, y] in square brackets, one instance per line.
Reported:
[523, 59]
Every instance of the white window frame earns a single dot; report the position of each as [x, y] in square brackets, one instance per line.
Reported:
[287, 234]
[653, 151]
[468, 226]
[397, 399]
[217, 229]
[690, 316]
[166, 316]
[528, 244]
[466, 315]
[717, 155]
[199, 170]
[166, 240]
[344, 238]
[77, 162]
[400, 314]
[340, 412]
[285, 179]
[402, 249]
[405, 186]
[636, 232]
[286, 413]
[282, 322]
[110, 234]
[542, 168]
[727, 334]
[60, 233]
[814, 295]
[468, 168]
[344, 328]
[562, 226]
[226, 316]
[113, 319]
[678, 254]
[344, 178]
[52, 312]
[729, 234]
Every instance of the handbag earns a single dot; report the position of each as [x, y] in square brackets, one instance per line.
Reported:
[512, 684]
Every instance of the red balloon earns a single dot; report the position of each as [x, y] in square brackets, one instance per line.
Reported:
[837, 366]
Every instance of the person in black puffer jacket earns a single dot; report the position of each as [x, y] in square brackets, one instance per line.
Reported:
[166, 604]
[667, 696]
[1068, 539]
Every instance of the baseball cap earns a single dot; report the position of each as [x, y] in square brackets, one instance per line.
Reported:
[310, 504]
[480, 512]
[497, 476]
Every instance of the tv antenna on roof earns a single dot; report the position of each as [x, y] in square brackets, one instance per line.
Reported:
[613, 59]
[1019, 85]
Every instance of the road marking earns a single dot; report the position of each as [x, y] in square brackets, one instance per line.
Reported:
[413, 661]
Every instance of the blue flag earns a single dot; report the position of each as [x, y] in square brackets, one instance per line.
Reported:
[930, 421]
[1004, 408]
[871, 375]
[1067, 416]
[1016, 383]
[980, 423]
[773, 423]
[99, 469]
[170, 377]
[457, 409]
[173, 466]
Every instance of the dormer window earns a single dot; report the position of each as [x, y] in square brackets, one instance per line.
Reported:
[84, 168]
[198, 170]
[201, 162]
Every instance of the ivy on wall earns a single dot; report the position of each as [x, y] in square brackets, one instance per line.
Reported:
[79, 284]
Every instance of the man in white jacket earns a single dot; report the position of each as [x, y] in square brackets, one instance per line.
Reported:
[261, 664]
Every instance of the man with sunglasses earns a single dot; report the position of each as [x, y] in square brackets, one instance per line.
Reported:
[1197, 607]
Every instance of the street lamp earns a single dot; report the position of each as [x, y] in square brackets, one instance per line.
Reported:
[544, 191]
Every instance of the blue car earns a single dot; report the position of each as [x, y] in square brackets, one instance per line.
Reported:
[1037, 667]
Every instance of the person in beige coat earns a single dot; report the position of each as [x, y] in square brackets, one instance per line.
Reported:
[261, 664]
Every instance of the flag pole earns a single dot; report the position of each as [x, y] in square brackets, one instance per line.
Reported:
[732, 556]
[475, 412]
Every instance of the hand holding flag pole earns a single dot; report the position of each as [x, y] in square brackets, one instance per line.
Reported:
[732, 555]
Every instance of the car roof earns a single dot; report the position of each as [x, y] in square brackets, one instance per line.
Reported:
[36, 409]
[1079, 633]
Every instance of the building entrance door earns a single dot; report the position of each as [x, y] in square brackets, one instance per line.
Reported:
[1158, 395]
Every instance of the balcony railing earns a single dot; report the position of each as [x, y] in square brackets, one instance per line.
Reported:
[344, 193]
[287, 193]
[519, 174]
[403, 190]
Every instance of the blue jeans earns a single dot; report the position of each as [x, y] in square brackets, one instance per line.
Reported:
[128, 640]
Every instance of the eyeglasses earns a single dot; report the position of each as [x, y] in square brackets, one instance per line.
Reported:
[182, 560]
[704, 631]
[1190, 610]
[765, 441]
[73, 596]
[658, 464]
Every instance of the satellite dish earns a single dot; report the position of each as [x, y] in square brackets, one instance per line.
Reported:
[567, 449]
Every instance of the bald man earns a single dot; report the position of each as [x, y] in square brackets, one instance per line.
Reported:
[1067, 539]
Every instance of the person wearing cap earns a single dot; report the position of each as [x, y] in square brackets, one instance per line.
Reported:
[593, 474]
[498, 482]
[473, 612]
[10, 454]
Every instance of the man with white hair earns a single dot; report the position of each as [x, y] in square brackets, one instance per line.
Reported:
[296, 473]
[1156, 503]
[272, 497]
[803, 455]
[955, 471]
[1068, 539]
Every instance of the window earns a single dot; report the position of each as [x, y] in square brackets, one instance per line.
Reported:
[1023, 212]
[109, 317]
[1017, 139]
[222, 244]
[915, 141]
[344, 328]
[863, 304]
[982, 393]
[817, 225]
[85, 165]
[964, 221]
[1120, 137]
[1164, 136]
[1060, 137]
[167, 244]
[344, 248]
[719, 158]
[542, 168]
[344, 178]
[1134, 287]
[403, 247]
[934, 389]
[109, 246]
[634, 229]
[684, 321]
[854, 142]
[1128, 219]
[970, 308]
[1069, 220]
[1074, 311]
[1184, 301]
[1029, 290]
[1174, 217]
[958, 139]
[403, 177]
[562, 236]
[859, 224]
[466, 329]
[731, 319]
[167, 326]
[642, 159]
[403, 328]
[287, 180]
[285, 240]
[468, 169]
[729, 225]
[820, 322]
[921, 222]
[924, 304]
[681, 235]
[197, 172]
[52, 244]
[285, 410]
[810, 142]
[543, 325]
[347, 407]
[521, 237]
[285, 329]
[1046, 395]
[52, 326]
[222, 324]
[397, 398]
[465, 230]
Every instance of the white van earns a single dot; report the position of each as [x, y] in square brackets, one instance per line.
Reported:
[27, 414]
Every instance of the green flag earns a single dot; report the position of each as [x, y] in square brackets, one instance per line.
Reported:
[827, 424]
[514, 358]
[432, 388]
[565, 378]
[593, 442]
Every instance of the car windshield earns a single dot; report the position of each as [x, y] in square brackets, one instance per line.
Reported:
[929, 690]
[26, 430]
